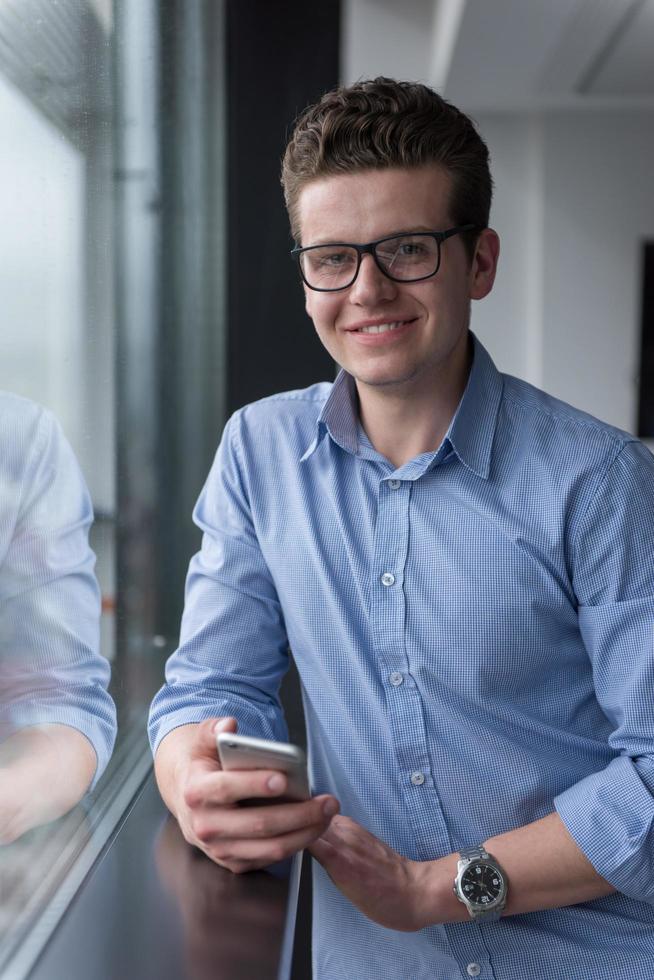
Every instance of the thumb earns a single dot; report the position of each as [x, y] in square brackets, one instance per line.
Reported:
[226, 724]
[205, 742]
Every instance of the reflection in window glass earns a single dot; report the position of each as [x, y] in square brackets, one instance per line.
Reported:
[56, 234]
[111, 248]
[57, 723]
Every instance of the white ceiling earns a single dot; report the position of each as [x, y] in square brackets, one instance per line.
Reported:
[508, 55]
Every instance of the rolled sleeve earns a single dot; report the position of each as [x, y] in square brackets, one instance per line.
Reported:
[52, 669]
[610, 814]
[233, 650]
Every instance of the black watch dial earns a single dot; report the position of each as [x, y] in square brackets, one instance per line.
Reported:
[481, 884]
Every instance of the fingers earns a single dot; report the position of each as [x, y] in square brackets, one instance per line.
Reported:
[260, 823]
[337, 842]
[248, 855]
[239, 855]
[321, 850]
[244, 838]
[220, 788]
[344, 830]
[343, 843]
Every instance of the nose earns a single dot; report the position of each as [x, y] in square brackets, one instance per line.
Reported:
[371, 285]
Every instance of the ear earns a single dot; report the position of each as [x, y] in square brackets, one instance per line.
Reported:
[484, 264]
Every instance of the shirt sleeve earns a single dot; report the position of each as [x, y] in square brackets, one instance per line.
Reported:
[52, 670]
[610, 814]
[233, 650]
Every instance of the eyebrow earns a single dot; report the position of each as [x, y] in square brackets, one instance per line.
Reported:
[418, 229]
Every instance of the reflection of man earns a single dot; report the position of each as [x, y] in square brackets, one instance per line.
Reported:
[57, 722]
[462, 567]
[222, 914]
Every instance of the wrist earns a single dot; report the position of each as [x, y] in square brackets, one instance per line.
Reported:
[435, 901]
[172, 762]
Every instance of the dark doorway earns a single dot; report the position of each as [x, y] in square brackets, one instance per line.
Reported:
[646, 374]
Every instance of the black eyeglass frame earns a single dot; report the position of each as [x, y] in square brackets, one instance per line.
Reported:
[370, 248]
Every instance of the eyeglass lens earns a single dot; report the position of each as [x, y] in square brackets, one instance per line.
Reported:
[405, 258]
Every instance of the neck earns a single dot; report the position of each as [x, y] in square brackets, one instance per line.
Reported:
[402, 424]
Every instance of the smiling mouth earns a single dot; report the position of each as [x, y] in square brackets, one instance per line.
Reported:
[381, 327]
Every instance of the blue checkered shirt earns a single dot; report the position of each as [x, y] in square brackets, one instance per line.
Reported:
[51, 670]
[474, 636]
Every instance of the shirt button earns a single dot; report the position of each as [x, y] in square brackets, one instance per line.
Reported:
[388, 579]
[473, 969]
[417, 778]
[396, 679]
[395, 484]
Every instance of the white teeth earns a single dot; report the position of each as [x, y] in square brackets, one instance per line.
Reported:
[380, 328]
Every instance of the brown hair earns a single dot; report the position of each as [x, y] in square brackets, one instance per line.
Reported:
[382, 123]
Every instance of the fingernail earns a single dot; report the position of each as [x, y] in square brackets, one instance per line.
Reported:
[276, 783]
[330, 808]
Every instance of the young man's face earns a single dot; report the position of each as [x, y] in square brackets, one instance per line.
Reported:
[431, 316]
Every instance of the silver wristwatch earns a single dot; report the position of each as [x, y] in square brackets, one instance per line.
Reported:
[481, 884]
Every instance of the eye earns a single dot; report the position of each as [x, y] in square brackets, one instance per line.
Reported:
[329, 263]
[415, 249]
[333, 260]
[402, 252]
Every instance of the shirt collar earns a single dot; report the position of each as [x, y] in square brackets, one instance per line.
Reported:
[472, 429]
[470, 433]
[339, 416]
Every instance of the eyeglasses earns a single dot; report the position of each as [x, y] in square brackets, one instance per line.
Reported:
[408, 257]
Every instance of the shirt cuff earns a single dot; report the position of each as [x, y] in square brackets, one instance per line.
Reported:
[258, 721]
[610, 816]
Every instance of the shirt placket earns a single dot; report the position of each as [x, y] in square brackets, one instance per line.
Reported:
[403, 699]
[405, 706]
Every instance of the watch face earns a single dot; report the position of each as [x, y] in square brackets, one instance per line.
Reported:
[481, 884]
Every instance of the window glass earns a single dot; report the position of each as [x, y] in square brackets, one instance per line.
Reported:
[95, 257]
[56, 243]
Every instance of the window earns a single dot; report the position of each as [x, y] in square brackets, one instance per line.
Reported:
[111, 196]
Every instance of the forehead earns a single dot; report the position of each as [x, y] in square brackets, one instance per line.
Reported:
[369, 204]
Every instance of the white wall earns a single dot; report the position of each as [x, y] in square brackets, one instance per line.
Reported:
[507, 320]
[41, 277]
[384, 37]
[574, 202]
[56, 282]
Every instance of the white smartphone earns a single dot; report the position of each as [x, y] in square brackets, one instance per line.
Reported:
[245, 752]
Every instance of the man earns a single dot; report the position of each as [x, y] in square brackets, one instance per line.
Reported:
[57, 721]
[462, 567]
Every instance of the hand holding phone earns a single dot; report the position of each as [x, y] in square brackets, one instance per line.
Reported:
[238, 752]
[216, 807]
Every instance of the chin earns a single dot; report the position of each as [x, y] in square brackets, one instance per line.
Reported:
[386, 380]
